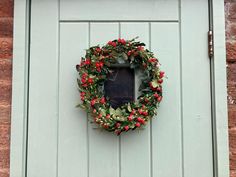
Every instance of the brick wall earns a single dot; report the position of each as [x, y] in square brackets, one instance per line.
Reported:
[6, 19]
[230, 26]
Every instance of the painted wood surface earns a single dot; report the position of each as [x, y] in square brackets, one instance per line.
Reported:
[43, 90]
[178, 142]
[196, 91]
[73, 133]
[166, 128]
[119, 10]
[19, 108]
[220, 90]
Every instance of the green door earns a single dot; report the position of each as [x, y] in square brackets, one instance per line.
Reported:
[61, 143]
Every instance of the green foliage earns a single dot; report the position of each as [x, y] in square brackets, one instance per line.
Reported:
[93, 70]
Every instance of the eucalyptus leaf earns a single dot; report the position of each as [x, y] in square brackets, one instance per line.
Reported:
[124, 56]
[129, 107]
[155, 84]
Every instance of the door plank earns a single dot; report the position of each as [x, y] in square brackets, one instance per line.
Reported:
[72, 132]
[135, 145]
[43, 90]
[119, 10]
[166, 126]
[197, 130]
[103, 146]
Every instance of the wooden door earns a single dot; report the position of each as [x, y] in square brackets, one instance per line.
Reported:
[61, 142]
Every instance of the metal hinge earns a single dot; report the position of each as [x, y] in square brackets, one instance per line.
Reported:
[210, 44]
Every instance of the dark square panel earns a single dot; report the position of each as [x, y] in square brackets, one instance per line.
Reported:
[120, 86]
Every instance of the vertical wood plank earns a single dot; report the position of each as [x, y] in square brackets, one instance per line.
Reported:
[166, 126]
[72, 148]
[19, 89]
[135, 145]
[196, 91]
[43, 90]
[220, 90]
[103, 146]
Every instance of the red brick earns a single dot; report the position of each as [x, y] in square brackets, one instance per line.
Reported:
[5, 69]
[5, 91]
[232, 148]
[6, 8]
[232, 173]
[4, 160]
[6, 48]
[5, 111]
[232, 116]
[6, 27]
[231, 72]
[231, 31]
[4, 172]
[232, 10]
[231, 93]
[4, 134]
[231, 51]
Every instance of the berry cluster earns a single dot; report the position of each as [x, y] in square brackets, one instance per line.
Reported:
[94, 69]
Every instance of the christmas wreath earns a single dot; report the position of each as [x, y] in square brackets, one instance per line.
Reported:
[94, 69]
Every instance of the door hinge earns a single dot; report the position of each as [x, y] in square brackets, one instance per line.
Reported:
[210, 44]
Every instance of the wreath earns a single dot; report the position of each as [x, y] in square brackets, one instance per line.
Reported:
[94, 69]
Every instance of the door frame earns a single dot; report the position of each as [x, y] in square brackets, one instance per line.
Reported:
[19, 114]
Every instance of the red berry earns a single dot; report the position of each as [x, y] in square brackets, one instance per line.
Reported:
[159, 89]
[137, 124]
[99, 70]
[145, 113]
[105, 126]
[159, 99]
[90, 80]
[152, 60]
[161, 74]
[101, 64]
[123, 41]
[140, 111]
[83, 80]
[84, 75]
[139, 119]
[160, 81]
[129, 53]
[140, 47]
[126, 128]
[130, 117]
[113, 44]
[156, 95]
[97, 64]
[117, 125]
[117, 132]
[133, 111]
[93, 102]
[98, 49]
[108, 116]
[103, 100]
[82, 93]
[88, 61]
